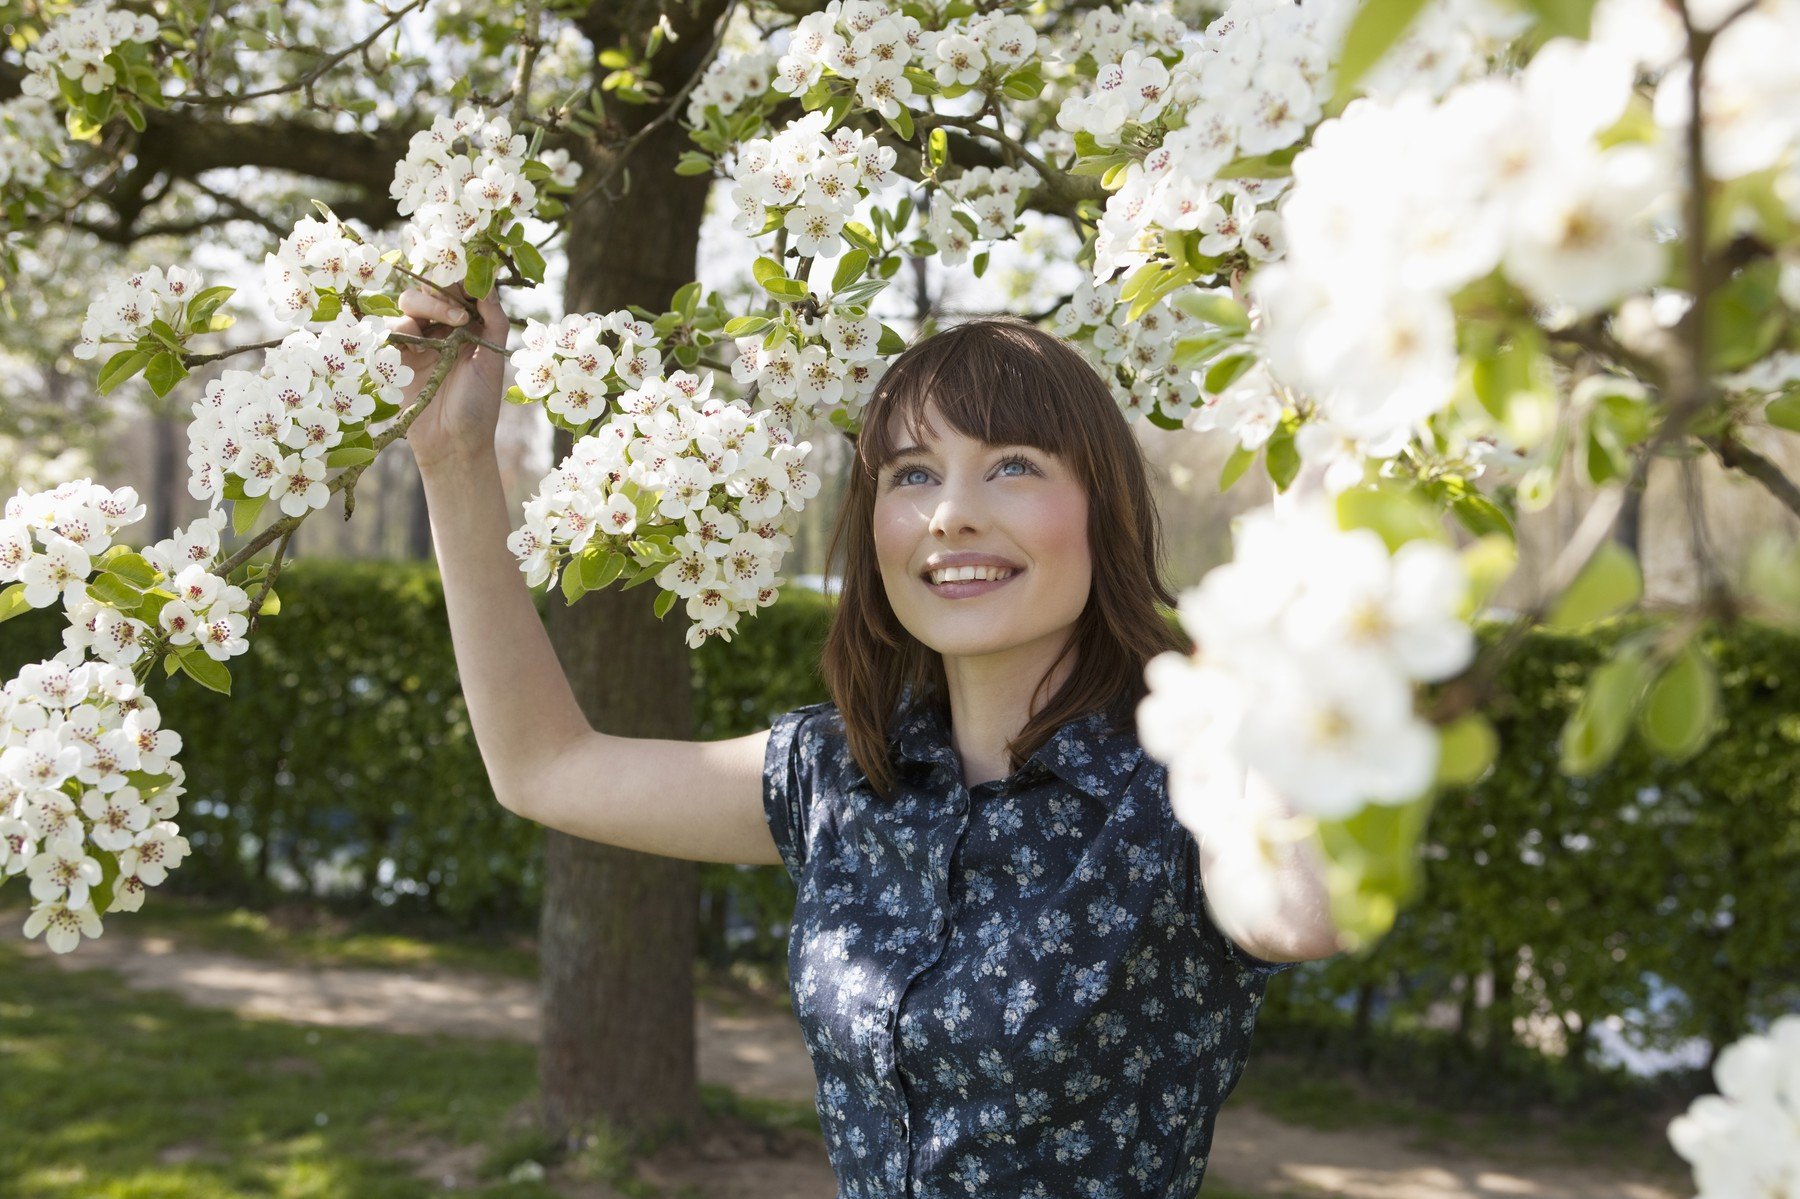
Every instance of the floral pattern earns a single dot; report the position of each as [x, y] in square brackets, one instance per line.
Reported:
[1011, 989]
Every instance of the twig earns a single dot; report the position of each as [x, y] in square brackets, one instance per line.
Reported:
[1736, 455]
[623, 154]
[268, 583]
[306, 79]
[287, 524]
[530, 42]
[201, 359]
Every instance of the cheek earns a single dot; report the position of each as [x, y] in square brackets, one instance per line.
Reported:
[1063, 536]
[895, 534]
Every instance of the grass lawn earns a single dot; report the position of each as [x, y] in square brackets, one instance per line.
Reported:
[126, 1094]
[310, 934]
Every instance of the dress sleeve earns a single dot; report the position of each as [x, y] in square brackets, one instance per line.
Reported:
[788, 775]
[1188, 877]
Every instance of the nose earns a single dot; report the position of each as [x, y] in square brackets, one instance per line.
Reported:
[955, 512]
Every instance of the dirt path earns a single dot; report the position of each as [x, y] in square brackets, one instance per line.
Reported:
[762, 1054]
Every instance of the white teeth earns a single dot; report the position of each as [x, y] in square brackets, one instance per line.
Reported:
[962, 574]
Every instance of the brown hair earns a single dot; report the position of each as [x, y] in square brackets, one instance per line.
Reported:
[1004, 382]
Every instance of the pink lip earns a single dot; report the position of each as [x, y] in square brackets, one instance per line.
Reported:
[970, 588]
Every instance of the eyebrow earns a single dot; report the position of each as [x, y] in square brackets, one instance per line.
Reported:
[913, 451]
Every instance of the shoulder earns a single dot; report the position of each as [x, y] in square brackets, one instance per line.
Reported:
[804, 731]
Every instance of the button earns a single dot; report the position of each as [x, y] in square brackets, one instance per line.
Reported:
[941, 926]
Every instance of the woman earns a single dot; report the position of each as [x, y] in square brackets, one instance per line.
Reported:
[1001, 956]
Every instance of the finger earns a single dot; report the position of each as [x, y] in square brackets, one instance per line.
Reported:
[429, 307]
[492, 315]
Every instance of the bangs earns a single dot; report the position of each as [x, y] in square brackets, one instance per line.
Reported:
[989, 382]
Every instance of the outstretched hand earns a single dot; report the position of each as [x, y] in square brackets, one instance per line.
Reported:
[461, 419]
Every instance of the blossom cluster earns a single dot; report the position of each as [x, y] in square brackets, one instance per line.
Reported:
[1105, 34]
[85, 763]
[29, 127]
[272, 430]
[871, 45]
[729, 83]
[319, 256]
[699, 490]
[811, 178]
[574, 364]
[988, 199]
[457, 177]
[48, 540]
[1742, 1141]
[125, 311]
[827, 373]
[1309, 644]
[1359, 314]
[1134, 356]
[76, 47]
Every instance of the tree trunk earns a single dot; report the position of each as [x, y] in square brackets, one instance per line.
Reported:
[617, 936]
[167, 476]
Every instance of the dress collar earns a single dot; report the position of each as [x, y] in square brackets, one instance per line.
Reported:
[921, 738]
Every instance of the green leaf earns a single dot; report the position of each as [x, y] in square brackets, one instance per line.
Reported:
[1214, 309]
[350, 455]
[164, 372]
[1226, 371]
[902, 123]
[786, 289]
[1467, 749]
[849, 269]
[693, 162]
[1681, 707]
[244, 513]
[531, 263]
[1280, 457]
[1597, 727]
[1611, 582]
[132, 568]
[765, 269]
[1396, 516]
[329, 306]
[480, 278]
[204, 303]
[1480, 515]
[937, 148]
[1488, 562]
[572, 586]
[12, 602]
[1563, 18]
[206, 671]
[686, 299]
[891, 342]
[1377, 25]
[122, 366]
[664, 602]
[376, 304]
[1235, 466]
[746, 326]
[1784, 410]
[614, 565]
[1022, 85]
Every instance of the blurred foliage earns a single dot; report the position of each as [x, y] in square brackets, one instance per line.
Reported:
[1648, 886]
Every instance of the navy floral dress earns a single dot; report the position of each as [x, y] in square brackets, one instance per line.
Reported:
[1011, 989]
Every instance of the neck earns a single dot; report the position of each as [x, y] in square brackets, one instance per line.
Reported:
[990, 697]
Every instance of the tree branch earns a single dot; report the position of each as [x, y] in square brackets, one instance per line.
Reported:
[1737, 456]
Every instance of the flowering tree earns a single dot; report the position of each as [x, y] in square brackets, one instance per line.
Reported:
[1407, 256]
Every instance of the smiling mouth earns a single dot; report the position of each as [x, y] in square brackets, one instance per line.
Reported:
[963, 588]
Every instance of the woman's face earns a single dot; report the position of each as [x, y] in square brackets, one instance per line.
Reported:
[1014, 504]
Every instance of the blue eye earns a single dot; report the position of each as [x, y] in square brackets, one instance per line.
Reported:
[898, 477]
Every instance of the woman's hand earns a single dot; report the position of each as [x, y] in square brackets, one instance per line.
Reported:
[461, 419]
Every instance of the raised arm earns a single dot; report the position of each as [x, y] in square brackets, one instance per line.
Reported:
[684, 799]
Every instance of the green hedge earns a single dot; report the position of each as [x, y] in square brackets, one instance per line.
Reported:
[347, 740]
